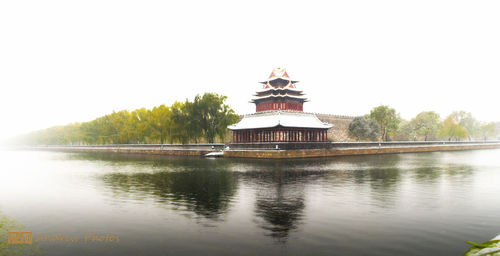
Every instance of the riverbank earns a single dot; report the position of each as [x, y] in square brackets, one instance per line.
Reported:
[353, 149]
[281, 150]
[150, 149]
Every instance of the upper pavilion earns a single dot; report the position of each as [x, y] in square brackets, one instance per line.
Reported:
[279, 92]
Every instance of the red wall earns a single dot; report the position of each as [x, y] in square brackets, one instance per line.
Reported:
[265, 106]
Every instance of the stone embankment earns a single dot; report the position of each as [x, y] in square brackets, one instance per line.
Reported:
[151, 149]
[283, 150]
[352, 148]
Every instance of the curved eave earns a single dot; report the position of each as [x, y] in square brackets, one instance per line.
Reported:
[279, 96]
[261, 95]
[275, 78]
[280, 89]
[287, 119]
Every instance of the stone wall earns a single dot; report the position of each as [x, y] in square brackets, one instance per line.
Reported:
[340, 129]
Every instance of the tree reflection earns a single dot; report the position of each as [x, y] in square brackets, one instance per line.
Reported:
[206, 193]
[196, 185]
[381, 173]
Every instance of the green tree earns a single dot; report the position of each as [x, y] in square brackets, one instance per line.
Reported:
[140, 120]
[160, 122]
[466, 120]
[207, 116]
[387, 119]
[426, 124]
[452, 130]
[406, 131]
[362, 129]
[213, 115]
[180, 123]
[194, 119]
[488, 130]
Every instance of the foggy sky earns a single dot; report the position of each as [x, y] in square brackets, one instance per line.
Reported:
[73, 61]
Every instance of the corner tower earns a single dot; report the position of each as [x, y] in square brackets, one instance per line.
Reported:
[279, 115]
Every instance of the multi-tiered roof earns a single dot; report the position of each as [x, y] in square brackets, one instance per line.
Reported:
[279, 92]
[280, 116]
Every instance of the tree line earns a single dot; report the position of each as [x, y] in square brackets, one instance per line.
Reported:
[202, 120]
[384, 123]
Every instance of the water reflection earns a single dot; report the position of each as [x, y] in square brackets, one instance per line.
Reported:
[280, 196]
[279, 202]
[205, 188]
[368, 205]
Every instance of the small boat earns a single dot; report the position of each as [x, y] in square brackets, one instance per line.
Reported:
[215, 154]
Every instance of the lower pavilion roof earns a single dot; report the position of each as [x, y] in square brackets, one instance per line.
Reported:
[270, 119]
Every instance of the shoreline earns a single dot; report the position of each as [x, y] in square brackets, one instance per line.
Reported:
[324, 150]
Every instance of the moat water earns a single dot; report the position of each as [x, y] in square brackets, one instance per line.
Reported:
[401, 204]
